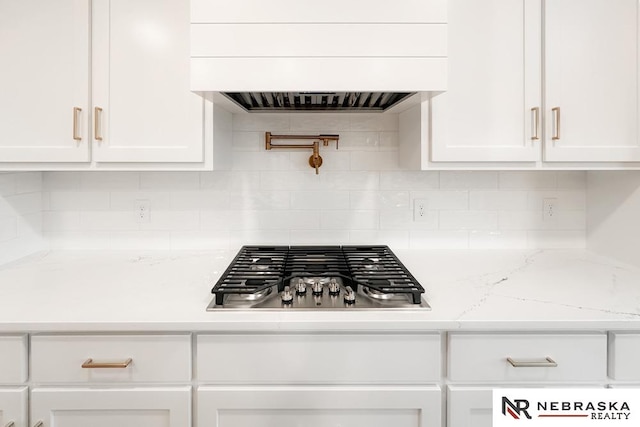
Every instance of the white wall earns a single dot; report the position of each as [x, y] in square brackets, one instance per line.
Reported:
[274, 197]
[20, 215]
[614, 214]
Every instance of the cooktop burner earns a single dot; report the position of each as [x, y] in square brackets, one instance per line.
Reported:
[317, 277]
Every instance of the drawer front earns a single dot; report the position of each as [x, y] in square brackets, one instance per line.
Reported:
[483, 357]
[331, 11]
[13, 359]
[319, 358]
[624, 356]
[154, 358]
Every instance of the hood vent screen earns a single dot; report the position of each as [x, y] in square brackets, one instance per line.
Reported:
[316, 101]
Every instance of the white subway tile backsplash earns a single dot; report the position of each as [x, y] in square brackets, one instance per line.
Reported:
[497, 200]
[275, 197]
[261, 122]
[351, 180]
[468, 220]
[472, 180]
[261, 200]
[359, 141]
[375, 160]
[109, 221]
[172, 221]
[558, 239]
[8, 228]
[126, 200]
[405, 180]
[319, 237]
[319, 123]
[79, 201]
[443, 200]
[58, 221]
[350, 220]
[290, 180]
[248, 141]
[29, 182]
[169, 180]
[320, 200]
[404, 220]
[381, 200]
[396, 239]
[498, 239]
[438, 239]
[524, 180]
[90, 181]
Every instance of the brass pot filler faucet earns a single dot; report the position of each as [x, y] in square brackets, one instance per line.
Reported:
[315, 161]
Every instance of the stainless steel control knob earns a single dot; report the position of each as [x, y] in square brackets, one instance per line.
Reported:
[349, 296]
[317, 288]
[301, 287]
[287, 296]
[334, 287]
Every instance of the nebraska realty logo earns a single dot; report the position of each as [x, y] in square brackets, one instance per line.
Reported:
[566, 407]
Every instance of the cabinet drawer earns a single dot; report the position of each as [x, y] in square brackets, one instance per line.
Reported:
[154, 358]
[319, 358]
[624, 356]
[483, 357]
[13, 359]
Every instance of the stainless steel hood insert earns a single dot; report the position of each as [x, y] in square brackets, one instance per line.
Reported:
[316, 101]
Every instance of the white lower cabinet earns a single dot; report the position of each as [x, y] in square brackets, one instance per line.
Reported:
[13, 406]
[469, 406]
[96, 407]
[317, 406]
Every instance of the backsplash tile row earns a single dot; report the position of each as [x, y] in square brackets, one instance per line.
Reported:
[273, 197]
[20, 215]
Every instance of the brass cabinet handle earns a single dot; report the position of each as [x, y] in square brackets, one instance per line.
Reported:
[556, 119]
[90, 364]
[97, 123]
[546, 363]
[38, 424]
[76, 134]
[536, 123]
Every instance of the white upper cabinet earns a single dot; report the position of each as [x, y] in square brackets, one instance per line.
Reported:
[144, 110]
[591, 87]
[494, 83]
[44, 81]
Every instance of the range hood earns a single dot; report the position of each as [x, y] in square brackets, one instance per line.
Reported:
[288, 55]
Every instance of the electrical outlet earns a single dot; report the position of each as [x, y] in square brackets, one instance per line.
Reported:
[142, 210]
[549, 209]
[420, 209]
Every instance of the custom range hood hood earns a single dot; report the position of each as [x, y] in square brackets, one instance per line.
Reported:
[334, 55]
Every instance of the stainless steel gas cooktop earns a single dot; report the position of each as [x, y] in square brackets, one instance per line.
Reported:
[317, 278]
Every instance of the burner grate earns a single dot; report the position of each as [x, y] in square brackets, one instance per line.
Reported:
[377, 268]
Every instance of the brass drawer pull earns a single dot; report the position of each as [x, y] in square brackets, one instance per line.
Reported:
[97, 124]
[76, 134]
[536, 123]
[90, 364]
[556, 117]
[546, 363]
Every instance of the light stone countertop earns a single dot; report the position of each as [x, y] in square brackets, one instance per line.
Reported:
[468, 290]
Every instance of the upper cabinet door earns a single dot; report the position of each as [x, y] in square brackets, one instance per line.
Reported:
[44, 81]
[591, 70]
[144, 110]
[492, 106]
